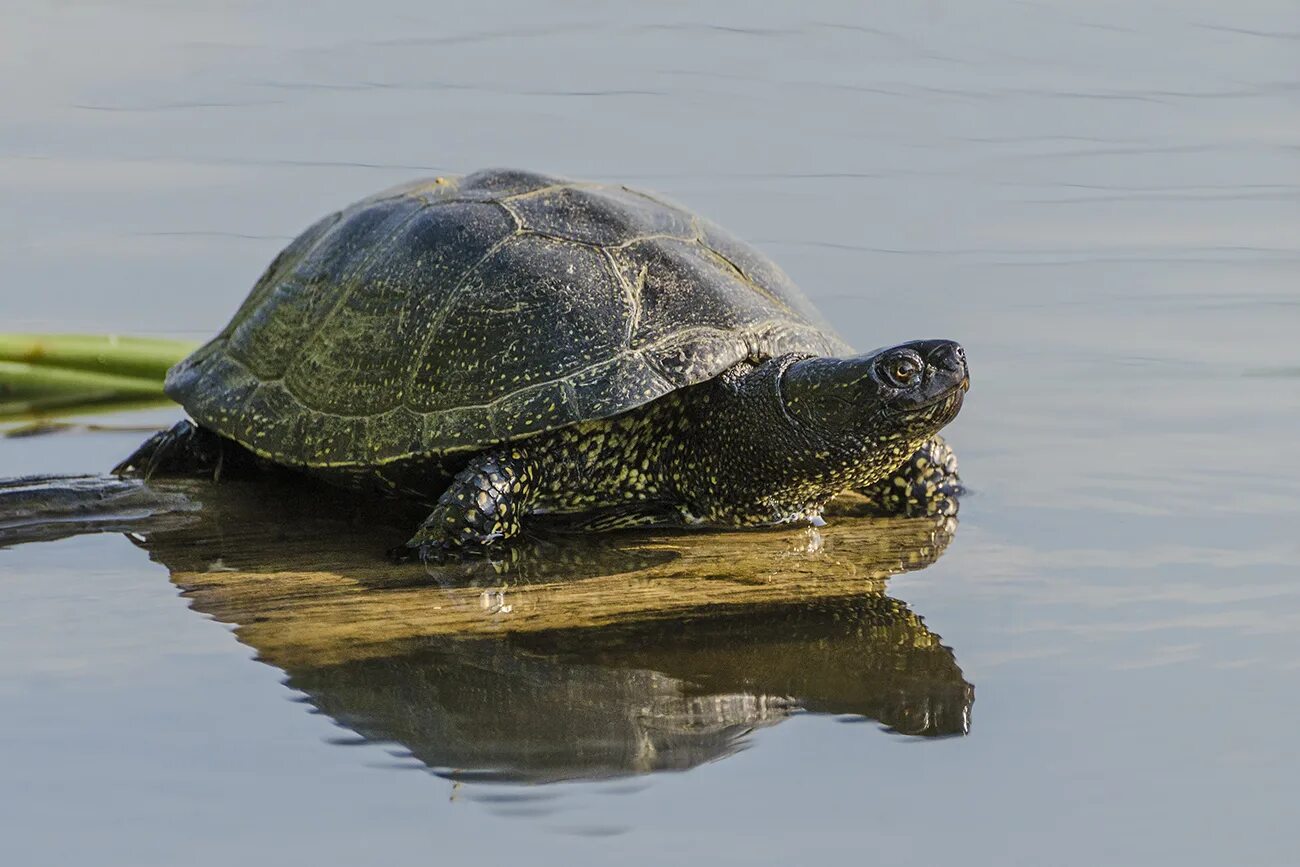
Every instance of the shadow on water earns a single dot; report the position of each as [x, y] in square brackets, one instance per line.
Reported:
[575, 658]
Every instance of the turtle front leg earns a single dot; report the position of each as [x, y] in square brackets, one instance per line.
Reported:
[926, 484]
[483, 504]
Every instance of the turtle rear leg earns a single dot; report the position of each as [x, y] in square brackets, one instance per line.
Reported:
[183, 449]
[926, 484]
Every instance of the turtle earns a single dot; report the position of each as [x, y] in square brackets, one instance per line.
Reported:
[508, 343]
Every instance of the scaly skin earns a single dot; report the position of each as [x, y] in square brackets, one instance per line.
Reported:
[724, 453]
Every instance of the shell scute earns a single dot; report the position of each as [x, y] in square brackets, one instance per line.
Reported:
[680, 285]
[606, 388]
[267, 333]
[762, 272]
[387, 307]
[599, 215]
[536, 309]
[495, 184]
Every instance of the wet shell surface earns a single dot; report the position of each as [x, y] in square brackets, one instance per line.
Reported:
[452, 313]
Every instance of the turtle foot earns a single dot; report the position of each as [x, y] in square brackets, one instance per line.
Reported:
[926, 485]
[431, 548]
[184, 448]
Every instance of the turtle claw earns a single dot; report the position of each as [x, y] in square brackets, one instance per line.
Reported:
[145, 458]
[438, 552]
[435, 552]
[184, 448]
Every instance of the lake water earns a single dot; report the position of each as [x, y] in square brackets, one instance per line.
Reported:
[1101, 201]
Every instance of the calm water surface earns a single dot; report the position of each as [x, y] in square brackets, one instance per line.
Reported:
[1102, 201]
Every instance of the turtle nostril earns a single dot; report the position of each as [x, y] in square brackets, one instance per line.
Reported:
[949, 356]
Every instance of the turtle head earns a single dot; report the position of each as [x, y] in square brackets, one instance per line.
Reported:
[891, 399]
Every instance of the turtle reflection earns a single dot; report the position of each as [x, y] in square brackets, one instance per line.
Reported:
[644, 697]
[578, 658]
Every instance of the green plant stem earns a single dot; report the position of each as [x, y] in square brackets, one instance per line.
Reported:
[41, 373]
[109, 354]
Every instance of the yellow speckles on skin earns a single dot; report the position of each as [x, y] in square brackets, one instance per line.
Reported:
[716, 453]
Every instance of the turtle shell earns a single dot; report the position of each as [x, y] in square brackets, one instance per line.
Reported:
[452, 313]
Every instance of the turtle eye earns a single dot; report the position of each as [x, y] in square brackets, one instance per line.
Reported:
[903, 371]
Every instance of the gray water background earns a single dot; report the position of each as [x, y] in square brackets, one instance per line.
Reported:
[1098, 199]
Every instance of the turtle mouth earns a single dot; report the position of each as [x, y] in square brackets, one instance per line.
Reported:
[937, 412]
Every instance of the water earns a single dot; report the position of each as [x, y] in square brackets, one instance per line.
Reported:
[1099, 201]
